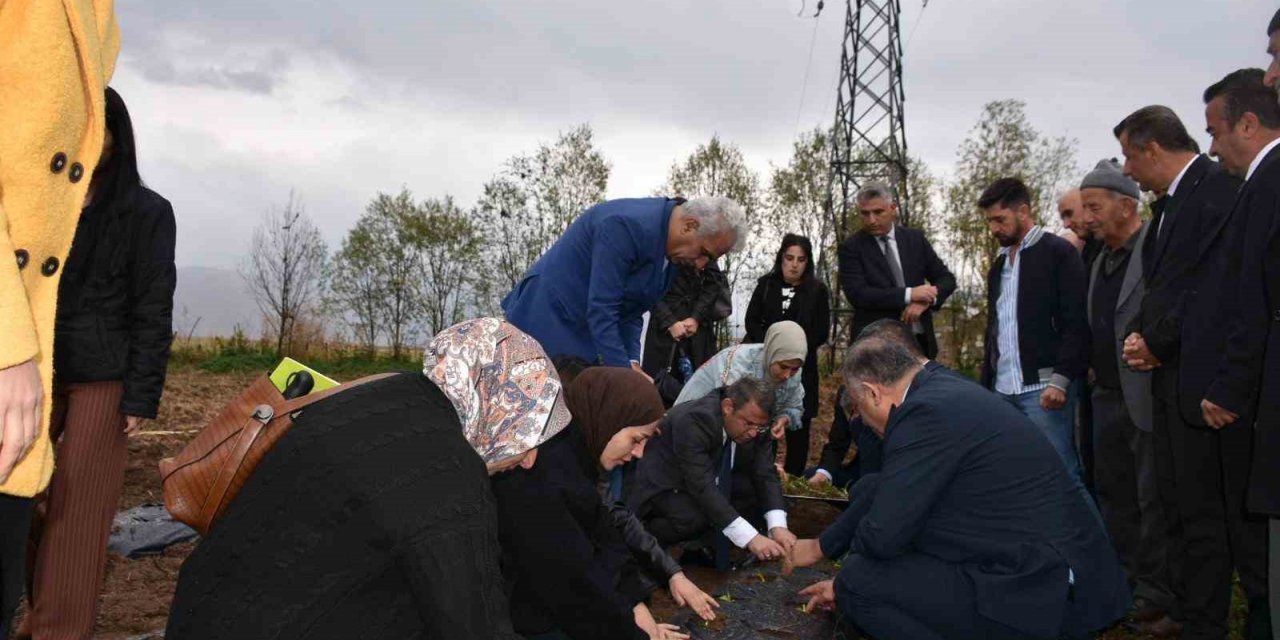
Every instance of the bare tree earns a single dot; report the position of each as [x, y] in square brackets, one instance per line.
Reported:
[284, 269]
[398, 263]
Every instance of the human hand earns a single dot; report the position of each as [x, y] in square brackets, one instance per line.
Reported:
[822, 596]
[779, 427]
[687, 594]
[21, 408]
[678, 331]
[819, 480]
[803, 553]
[133, 424]
[1215, 416]
[690, 327]
[913, 312]
[669, 632]
[635, 366]
[765, 549]
[925, 293]
[783, 537]
[1137, 355]
[1053, 398]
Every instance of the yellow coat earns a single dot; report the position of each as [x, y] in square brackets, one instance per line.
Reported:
[56, 57]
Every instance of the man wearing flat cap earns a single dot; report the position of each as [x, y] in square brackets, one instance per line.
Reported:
[1124, 463]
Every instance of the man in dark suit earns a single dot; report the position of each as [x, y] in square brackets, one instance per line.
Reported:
[1243, 119]
[1037, 336]
[1178, 335]
[972, 529]
[587, 295]
[891, 271]
[681, 487]
[1127, 491]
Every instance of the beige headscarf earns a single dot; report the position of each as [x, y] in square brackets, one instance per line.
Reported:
[501, 383]
[783, 341]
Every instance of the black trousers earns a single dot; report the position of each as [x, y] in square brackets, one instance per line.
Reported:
[1203, 475]
[1129, 497]
[797, 457]
[15, 525]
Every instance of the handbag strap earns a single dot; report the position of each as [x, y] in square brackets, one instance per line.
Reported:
[728, 366]
[262, 416]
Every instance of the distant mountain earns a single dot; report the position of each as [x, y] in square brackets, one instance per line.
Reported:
[214, 301]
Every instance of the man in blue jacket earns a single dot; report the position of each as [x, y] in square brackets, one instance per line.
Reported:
[972, 529]
[587, 295]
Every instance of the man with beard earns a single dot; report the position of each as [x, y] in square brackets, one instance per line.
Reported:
[1037, 335]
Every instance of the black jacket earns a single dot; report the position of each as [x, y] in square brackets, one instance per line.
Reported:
[115, 302]
[686, 457]
[567, 565]
[693, 294]
[1053, 330]
[968, 480]
[810, 308]
[1247, 380]
[371, 518]
[846, 433]
[868, 283]
[1181, 300]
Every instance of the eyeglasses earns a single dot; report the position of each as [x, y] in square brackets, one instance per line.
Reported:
[759, 428]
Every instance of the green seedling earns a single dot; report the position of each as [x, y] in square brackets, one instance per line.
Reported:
[726, 598]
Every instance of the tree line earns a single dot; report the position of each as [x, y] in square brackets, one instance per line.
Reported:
[410, 267]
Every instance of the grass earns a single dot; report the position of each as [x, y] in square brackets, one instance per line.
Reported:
[239, 355]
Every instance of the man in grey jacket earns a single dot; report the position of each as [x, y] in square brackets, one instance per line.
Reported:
[1125, 476]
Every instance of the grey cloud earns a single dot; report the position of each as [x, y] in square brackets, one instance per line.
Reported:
[164, 72]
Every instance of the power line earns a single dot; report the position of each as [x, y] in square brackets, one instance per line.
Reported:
[804, 86]
[917, 24]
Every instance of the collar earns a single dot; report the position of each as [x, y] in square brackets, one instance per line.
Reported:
[1173, 186]
[1033, 236]
[1257, 160]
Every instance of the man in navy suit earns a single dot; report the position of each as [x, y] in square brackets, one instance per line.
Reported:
[890, 271]
[972, 529]
[587, 295]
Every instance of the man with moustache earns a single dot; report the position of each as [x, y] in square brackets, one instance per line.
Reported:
[1178, 335]
[1241, 405]
[1125, 464]
[1077, 220]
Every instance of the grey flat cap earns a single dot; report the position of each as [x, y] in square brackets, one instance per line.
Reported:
[1108, 175]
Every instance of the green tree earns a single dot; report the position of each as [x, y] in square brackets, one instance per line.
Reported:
[797, 195]
[354, 291]
[448, 246]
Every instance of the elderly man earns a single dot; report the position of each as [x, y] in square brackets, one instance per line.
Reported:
[1077, 221]
[681, 487]
[972, 529]
[1127, 491]
[891, 271]
[587, 295]
[1179, 334]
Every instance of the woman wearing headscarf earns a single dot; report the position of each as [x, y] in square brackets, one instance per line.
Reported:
[791, 292]
[777, 362]
[615, 412]
[373, 516]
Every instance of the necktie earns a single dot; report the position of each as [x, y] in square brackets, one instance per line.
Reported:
[1158, 210]
[891, 255]
[723, 477]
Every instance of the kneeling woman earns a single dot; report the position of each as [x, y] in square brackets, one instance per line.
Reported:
[373, 516]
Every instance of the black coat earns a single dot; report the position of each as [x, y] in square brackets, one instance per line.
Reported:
[693, 294]
[1053, 328]
[868, 283]
[810, 308]
[371, 518]
[115, 302]
[968, 480]
[1180, 314]
[566, 563]
[1248, 380]
[686, 456]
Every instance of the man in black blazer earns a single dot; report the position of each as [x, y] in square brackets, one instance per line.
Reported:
[891, 271]
[1179, 335]
[1037, 336]
[1243, 118]
[680, 489]
[972, 529]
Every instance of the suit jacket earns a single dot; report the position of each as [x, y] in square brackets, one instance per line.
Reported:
[1174, 265]
[686, 457]
[868, 283]
[1053, 331]
[1136, 385]
[969, 480]
[1248, 377]
[587, 295]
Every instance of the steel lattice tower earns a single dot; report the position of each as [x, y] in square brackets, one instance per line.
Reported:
[868, 140]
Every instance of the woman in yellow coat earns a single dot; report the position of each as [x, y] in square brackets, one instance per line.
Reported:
[56, 59]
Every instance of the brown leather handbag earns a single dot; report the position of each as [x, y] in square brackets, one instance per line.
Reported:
[205, 476]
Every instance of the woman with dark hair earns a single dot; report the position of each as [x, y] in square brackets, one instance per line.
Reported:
[792, 291]
[111, 350]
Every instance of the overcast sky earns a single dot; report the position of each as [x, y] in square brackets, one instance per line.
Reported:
[236, 102]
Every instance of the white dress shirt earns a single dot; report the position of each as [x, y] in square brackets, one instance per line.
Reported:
[740, 532]
[1257, 160]
[1173, 188]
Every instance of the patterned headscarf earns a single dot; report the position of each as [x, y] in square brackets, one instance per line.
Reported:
[501, 383]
